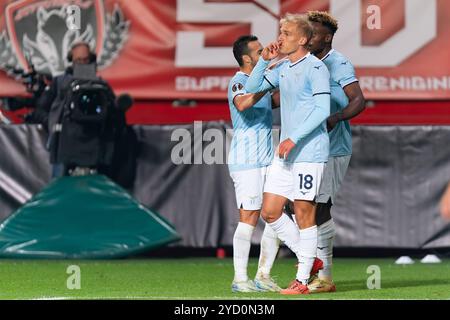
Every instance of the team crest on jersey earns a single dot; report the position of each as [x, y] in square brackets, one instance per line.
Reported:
[237, 87]
[38, 32]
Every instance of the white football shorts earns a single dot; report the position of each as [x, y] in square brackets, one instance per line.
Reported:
[249, 186]
[294, 181]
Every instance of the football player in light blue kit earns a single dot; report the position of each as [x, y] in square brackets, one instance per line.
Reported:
[251, 152]
[347, 101]
[297, 169]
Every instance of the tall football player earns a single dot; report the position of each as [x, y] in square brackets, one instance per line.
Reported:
[347, 101]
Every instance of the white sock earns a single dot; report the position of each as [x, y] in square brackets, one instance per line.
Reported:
[269, 249]
[325, 237]
[288, 233]
[241, 249]
[308, 249]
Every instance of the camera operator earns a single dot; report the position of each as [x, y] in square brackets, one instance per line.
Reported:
[87, 129]
[50, 105]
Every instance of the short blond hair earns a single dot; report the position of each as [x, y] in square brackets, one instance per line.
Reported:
[302, 22]
[323, 18]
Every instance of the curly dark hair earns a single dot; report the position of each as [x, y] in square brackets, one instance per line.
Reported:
[324, 18]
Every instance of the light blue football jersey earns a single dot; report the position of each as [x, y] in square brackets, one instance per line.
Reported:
[342, 74]
[305, 104]
[251, 146]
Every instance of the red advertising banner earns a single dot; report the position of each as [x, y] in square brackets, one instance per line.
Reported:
[168, 49]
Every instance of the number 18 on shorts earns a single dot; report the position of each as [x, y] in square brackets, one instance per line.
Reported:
[307, 178]
[295, 181]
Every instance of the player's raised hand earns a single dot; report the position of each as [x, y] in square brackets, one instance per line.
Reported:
[285, 148]
[271, 51]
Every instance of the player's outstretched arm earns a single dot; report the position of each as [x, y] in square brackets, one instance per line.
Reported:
[260, 81]
[445, 204]
[248, 100]
[256, 82]
[356, 105]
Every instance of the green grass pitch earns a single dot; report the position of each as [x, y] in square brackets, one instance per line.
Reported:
[210, 278]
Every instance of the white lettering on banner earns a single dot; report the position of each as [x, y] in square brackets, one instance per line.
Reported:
[413, 83]
[209, 83]
[420, 28]
[190, 47]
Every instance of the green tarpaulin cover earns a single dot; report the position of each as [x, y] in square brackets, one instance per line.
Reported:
[82, 218]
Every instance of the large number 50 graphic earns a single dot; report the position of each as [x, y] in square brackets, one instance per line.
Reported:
[191, 50]
[420, 28]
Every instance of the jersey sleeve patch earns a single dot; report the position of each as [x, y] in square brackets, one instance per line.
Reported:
[237, 87]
